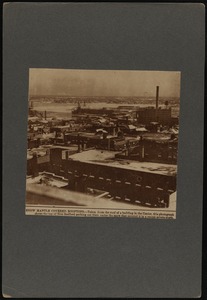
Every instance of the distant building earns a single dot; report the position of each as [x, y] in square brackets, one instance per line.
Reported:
[148, 115]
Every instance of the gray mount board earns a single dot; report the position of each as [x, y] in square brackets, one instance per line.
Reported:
[102, 257]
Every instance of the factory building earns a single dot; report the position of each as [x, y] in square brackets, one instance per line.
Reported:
[157, 114]
[145, 183]
[160, 115]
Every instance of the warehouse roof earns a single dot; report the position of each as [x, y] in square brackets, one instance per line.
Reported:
[104, 157]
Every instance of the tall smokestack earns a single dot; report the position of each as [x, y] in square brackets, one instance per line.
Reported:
[157, 101]
[157, 96]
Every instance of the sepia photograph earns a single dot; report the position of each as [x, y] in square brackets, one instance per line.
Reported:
[102, 143]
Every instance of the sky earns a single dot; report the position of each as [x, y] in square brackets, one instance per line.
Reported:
[103, 83]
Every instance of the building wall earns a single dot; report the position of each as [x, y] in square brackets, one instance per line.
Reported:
[149, 115]
[56, 160]
[38, 164]
[121, 183]
[33, 143]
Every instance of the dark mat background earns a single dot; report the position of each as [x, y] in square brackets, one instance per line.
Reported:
[103, 257]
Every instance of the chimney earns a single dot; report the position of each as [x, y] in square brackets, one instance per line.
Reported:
[157, 100]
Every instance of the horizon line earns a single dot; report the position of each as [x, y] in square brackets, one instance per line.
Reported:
[49, 95]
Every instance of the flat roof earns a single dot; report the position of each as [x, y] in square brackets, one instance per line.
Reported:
[47, 147]
[70, 147]
[104, 157]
